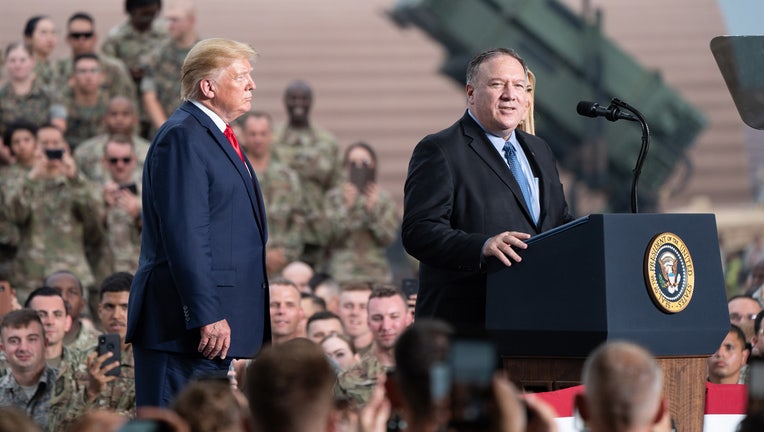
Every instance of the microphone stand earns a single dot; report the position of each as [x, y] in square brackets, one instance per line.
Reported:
[642, 151]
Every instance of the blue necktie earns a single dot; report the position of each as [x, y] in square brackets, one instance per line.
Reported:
[510, 154]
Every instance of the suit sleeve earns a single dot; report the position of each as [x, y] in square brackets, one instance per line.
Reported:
[427, 231]
[180, 191]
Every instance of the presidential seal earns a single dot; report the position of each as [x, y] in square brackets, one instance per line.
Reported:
[669, 273]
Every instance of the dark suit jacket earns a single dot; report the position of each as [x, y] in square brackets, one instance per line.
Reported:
[459, 192]
[203, 246]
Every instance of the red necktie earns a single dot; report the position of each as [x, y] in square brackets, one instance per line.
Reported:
[232, 139]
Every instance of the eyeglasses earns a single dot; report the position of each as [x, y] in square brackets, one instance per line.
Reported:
[84, 71]
[124, 160]
[736, 317]
[81, 35]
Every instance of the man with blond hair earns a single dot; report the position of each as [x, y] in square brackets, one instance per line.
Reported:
[200, 294]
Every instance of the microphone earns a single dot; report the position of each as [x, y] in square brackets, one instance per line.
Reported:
[612, 112]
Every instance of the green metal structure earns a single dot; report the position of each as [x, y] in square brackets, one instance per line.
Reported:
[572, 61]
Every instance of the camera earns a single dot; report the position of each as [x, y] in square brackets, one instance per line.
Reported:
[54, 154]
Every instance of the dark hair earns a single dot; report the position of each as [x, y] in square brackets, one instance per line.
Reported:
[46, 291]
[387, 291]
[475, 62]
[83, 56]
[117, 282]
[17, 125]
[317, 279]
[316, 300]
[757, 322]
[321, 316]
[363, 145]
[20, 318]
[131, 5]
[740, 335]
[31, 24]
[80, 16]
[419, 347]
[241, 121]
[17, 44]
[67, 273]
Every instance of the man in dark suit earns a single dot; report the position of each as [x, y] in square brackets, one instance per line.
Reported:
[200, 295]
[463, 206]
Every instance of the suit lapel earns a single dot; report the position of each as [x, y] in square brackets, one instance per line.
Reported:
[486, 151]
[250, 181]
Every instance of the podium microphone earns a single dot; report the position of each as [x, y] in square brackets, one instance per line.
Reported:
[612, 112]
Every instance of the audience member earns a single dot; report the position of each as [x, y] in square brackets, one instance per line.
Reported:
[98, 421]
[310, 305]
[623, 387]
[50, 306]
[299, 273]
[24, 96]
[388, 318]
[120, 118]
[212, 406]
[58, 217]
[728, 364]
[285, 209]
[286, 312]
[289, 388]
[362, 221]
[160, 86]
[82, 334]
[82, 39]
[322, 324]
[353, 302]
[314, 155]
[757, 342]
[329, 290]
[743, 310]
[41, 37]
[13, 419]
[133, 39]
[340, 349]
[105, 391]
[85, 100]
[30, 383]
[122, 203]
[8, 300]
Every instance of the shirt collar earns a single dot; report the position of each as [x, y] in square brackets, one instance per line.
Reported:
[211, 114]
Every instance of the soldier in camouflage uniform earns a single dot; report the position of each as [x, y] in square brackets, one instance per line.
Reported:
[362, 221]
[120, 118]
[102, 391]
[284, 206]
[314, 155]
[134, 38]
[82, 38]
[24, 96]
[388, 318]
[82, 334]
[122, 199]
[40, 36]
[47, 401]
[85, 100]
[57, 214]
[160, 87]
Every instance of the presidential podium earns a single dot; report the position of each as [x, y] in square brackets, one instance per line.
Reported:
[653, 279]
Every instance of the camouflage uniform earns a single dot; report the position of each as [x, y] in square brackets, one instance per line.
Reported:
[89, 155]
[357, 383]
[359, 237]
[39, 106]
[86, 338]
[68, 400]
[57, 218]
[127, 44]
[117, 80]
[83, 122]
[38, 406]
[123, 239]
[118, 395]
[284, 209]
[162, 71]
[10, 178]
[314, 155]
[47, 73]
